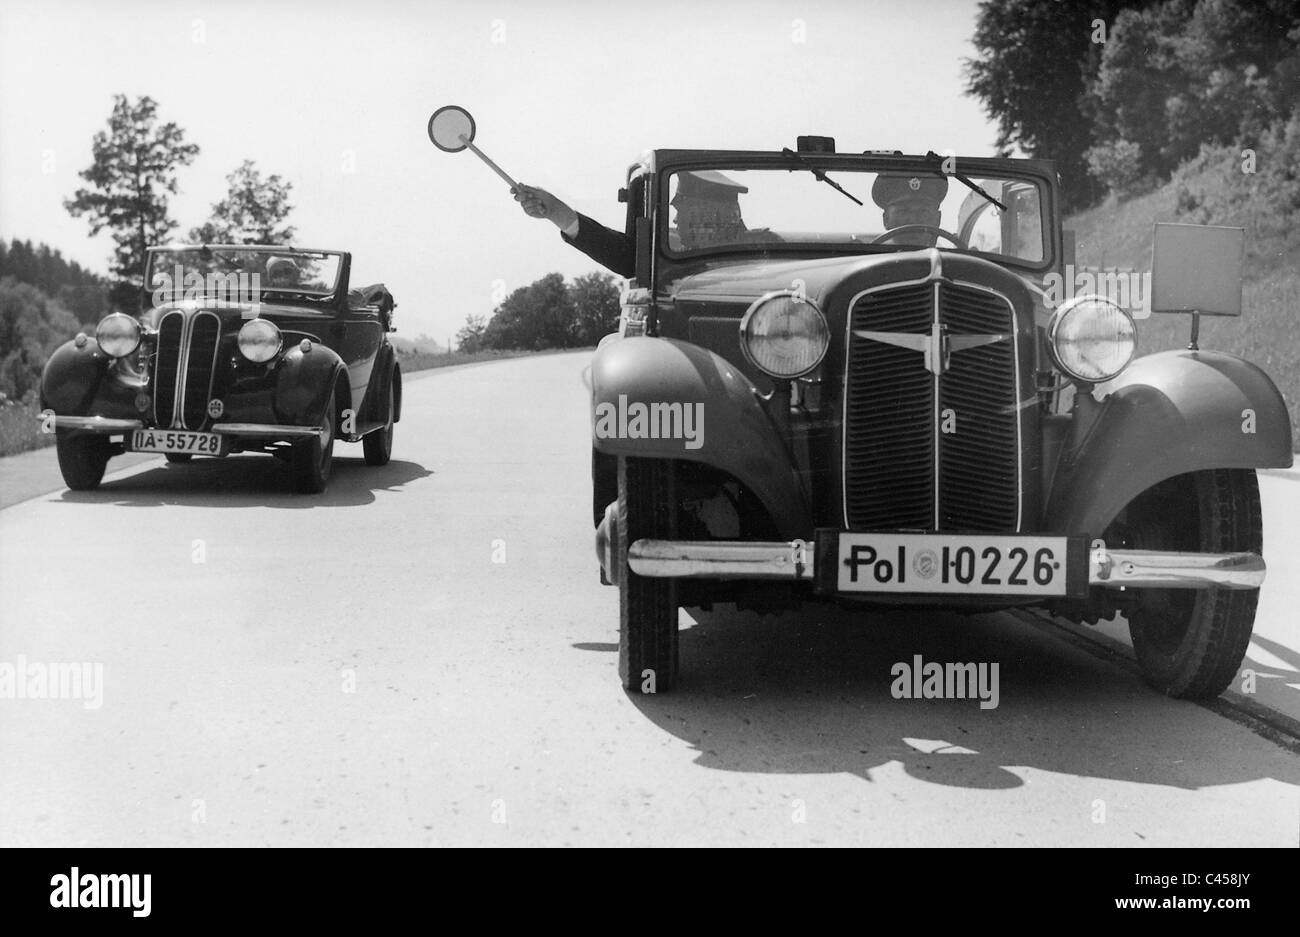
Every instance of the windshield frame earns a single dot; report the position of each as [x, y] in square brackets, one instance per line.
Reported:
[842, 167]
[157, 257]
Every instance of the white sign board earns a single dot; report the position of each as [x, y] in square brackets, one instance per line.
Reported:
[1197, 268]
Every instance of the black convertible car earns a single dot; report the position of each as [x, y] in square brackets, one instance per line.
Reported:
[244, 349]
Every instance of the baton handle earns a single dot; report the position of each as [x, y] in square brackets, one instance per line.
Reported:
[483, 156]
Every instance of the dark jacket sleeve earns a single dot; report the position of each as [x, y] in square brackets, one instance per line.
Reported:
[607, 247]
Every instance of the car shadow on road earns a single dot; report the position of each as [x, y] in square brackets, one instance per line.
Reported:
[810, 692]
[249, 481]
[1275, 688]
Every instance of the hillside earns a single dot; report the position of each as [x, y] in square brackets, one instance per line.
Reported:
[1118, 233]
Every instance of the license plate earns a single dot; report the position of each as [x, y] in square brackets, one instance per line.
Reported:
[174, 440]
[954, 564]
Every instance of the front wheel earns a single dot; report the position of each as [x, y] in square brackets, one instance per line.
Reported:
[647, 607]
[82, 459]
[1189, 643]
[313, 458]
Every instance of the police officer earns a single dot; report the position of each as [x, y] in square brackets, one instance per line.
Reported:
[708, 210]
[910, 200]
[708, 214]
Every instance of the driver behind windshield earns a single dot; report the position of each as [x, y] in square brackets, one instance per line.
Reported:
[908, 200]
[281, 273]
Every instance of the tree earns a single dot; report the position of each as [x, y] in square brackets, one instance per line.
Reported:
[253, 211]
[133, 173]
[1035, 60]
[82, 292]
[536, 316]
[595, 301]
[470, 336]
[1185, 74]
[31, 326]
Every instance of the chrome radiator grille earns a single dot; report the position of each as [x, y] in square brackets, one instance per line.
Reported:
[184, 368]
[935, 356]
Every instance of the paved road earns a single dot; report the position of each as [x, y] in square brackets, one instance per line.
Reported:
[355, 669]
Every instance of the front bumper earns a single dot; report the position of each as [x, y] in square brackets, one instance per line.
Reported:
[95, 424]
[108, 427]
[265, 430]
[797, 560]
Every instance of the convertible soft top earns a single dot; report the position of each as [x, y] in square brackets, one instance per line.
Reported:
[374, 295]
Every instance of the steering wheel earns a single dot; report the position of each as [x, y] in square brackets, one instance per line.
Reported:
[908, 228]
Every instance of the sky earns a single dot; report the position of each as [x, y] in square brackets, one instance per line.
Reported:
[335, 98]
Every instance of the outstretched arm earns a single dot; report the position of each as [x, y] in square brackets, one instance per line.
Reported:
[538, 203]
[610, 248]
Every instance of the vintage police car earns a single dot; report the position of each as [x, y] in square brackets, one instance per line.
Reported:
[244, 349]
[850, 376]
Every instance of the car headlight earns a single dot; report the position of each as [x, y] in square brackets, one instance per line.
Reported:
[1092, 339]
[784, 335]
[259, 340]
[118, 335]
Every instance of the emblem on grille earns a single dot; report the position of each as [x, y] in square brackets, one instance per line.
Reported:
[938, 345]
[215, 408]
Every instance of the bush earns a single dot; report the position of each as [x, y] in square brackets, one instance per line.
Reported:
[1118, 166]
[1254, 185]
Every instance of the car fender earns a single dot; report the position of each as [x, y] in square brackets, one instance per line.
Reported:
[303, 381]
[71, 377]
[385, 372]
[733, 432]
[1169, 413]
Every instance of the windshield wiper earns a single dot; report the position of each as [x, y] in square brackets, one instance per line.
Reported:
[934, 157]
[819, 175]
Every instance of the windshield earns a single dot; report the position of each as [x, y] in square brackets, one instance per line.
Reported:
[771, 208]
[240, 274]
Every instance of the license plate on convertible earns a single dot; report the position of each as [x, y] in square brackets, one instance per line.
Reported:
[955, 564]
[175, 440]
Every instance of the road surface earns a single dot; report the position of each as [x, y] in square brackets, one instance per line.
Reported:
[423, 655]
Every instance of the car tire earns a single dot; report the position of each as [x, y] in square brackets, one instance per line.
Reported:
[82, 459]
[647, 607]
[178, 458]
[378, 446]
[314, 458]
[1190, 643]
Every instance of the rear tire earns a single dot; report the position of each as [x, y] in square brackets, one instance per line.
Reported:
[82, 459]
[1190, 643]
[647, 607]
[314, 458]
[378, 446]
